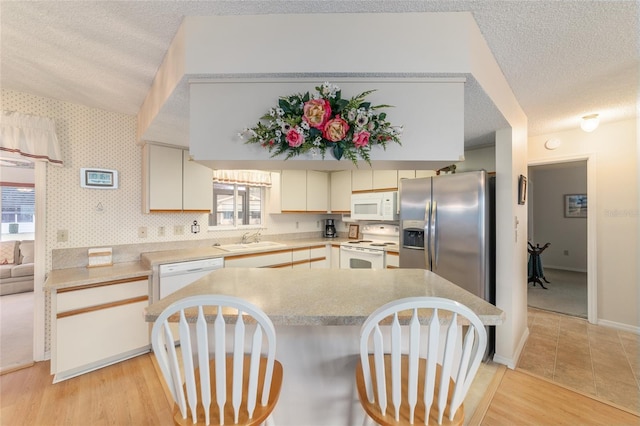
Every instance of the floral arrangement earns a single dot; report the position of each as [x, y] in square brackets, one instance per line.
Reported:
[324, 121]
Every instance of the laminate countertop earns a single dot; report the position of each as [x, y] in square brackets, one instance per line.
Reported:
[326, 296]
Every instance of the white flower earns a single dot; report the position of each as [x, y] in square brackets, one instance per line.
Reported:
[272, 112]
[351, 115]
[362, 119]
[285, 127]
[280, 112]
[304, 125]
[278, 133]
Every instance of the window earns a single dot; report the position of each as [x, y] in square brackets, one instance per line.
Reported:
[236, 205]
[18, 209]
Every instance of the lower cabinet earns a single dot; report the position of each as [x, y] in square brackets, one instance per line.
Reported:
[335, 256]
[393, 259]
[303, 257]
[97, 325]
[271, 259]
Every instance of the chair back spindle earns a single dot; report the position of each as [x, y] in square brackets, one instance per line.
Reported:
[409, 372]
[219, 374]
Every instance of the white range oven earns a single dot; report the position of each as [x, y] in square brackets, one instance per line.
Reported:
[369, 252]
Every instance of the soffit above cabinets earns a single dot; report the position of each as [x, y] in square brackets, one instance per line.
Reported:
[416, 47]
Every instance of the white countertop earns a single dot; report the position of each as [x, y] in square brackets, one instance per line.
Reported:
[73, 277]
[326, 296]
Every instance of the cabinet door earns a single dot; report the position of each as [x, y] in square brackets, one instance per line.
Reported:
[293, 190]
[341, 191]
[98, 326]
[317, 191]
[362, 180]
[318, 256]
[272, 259]
[197, 186]
[393, 259]
[164, 184]
[425, 173]
[386, 180]
[335, 256]
[300, 258]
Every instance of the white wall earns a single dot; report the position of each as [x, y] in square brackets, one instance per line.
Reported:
[478, 159]
[613, 149]
[568, 236]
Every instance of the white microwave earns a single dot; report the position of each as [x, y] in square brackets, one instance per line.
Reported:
[374, 206]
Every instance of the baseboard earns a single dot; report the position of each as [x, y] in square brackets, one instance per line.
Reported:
[619, 326]
[564, 268]
[513, 362]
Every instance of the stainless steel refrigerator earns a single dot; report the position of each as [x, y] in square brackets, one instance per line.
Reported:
[447, 227]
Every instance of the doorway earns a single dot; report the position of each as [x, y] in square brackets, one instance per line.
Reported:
[17, 298]
[558, 216]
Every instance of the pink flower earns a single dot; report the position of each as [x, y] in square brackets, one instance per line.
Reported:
[294, 138]
[335, 130]
[316, 112]
[361, 139]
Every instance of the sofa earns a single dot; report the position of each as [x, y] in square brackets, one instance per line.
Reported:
[16, 267]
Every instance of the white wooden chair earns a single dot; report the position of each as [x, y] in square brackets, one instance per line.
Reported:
[218, 379]
[398, 386]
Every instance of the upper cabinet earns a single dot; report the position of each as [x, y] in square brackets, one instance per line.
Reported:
[374, 180]
[341, 191]
[302, 191]
[174, 183]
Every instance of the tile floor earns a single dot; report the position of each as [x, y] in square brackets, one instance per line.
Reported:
[592, 359]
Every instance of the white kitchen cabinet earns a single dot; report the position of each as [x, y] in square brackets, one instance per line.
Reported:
[374, 180]
[293, 190]
[271, 259]
[172, 183]
[300, 257]
[425, 173]
[392, 259]
[385, 180]
[304, 191]
[197, 186]
[361, 180]
[317, 191]
[341, 192]
[98, 325]
[335, 256]
[318, 257]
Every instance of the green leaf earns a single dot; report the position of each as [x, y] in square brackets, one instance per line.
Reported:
[286, 106]
[337, 151]
[365, 105]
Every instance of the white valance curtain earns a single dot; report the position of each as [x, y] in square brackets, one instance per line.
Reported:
[243, 177]
[29, 136]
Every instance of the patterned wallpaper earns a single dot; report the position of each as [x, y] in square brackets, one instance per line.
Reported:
[91, 137]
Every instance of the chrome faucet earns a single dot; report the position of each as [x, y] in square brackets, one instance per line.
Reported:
[257, 235]
[245, 238]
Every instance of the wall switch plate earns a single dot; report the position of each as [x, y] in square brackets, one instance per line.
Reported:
[142, 232]
[62, 235]
[178, 229]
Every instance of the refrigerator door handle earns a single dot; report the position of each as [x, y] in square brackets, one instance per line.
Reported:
[427, 253]
[433, 237]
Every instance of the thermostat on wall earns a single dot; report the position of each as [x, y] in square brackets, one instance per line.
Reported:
[98, 178]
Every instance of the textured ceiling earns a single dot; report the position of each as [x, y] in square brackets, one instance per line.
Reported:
[562, 59]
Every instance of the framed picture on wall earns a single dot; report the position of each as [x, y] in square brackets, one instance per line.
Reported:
[522, 189]
[575, 205]
[353, 232]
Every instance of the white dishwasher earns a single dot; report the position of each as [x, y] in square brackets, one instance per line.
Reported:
[174, 276]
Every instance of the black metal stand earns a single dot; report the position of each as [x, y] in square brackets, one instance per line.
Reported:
[535, 264]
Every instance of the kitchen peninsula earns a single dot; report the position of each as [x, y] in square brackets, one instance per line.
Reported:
[318, 314]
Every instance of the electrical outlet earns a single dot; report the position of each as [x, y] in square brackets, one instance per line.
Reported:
[566, 252]
[160, 231]
[142, 232]
[178, 229]
[317, 224]
[297, 225]
[62, 235]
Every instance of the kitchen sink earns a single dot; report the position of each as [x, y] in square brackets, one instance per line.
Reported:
[250, 246]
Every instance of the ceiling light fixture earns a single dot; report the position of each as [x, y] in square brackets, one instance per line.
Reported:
[589, 122]
[552, 144]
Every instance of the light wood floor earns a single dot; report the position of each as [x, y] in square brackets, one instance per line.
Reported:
[130, 393]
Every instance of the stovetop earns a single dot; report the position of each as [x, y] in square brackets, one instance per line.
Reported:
[376, 236]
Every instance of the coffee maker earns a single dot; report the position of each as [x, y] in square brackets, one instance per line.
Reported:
[330, 229]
